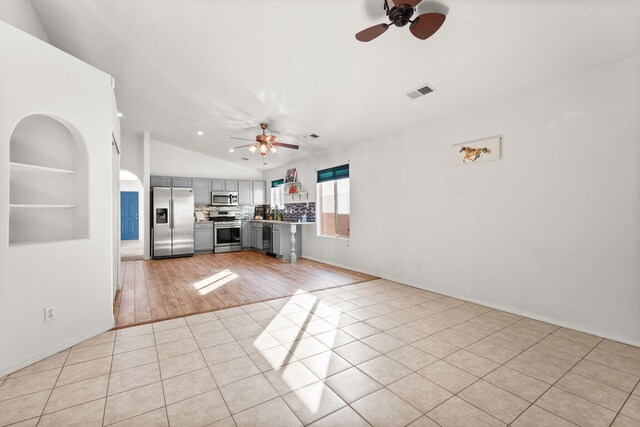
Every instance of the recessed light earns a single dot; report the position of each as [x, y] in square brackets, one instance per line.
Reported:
[120, 114]
[231, 150]
[200, 133]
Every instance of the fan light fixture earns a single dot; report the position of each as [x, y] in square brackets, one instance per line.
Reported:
[265, 144]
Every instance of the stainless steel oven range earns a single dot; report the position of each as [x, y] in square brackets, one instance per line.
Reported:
[226, 231]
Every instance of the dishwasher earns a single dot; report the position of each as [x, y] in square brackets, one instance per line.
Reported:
[267, 238]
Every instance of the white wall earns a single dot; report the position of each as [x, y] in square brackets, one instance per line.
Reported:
[550, 231]
[136, 185]
[173, 161]
[132, 156]
[20, 14]
[75, 276]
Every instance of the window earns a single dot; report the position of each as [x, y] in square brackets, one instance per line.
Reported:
[277, 193]
[333, 202]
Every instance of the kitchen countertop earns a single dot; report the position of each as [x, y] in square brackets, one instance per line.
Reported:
[262, 220]
[279, 222]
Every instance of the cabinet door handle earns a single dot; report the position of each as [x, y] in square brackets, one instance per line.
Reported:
[171, 215]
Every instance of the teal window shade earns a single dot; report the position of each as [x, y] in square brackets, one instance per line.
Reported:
[277, 182]
[332, 174]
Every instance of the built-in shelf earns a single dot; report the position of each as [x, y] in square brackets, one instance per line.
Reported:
[35, 168]
[300, 195]
[48, 185]
[31, 206]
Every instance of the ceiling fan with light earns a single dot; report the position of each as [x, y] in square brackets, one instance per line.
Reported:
[265, 144]
[400, 13]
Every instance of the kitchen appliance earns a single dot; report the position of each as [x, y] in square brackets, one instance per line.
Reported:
[227, 231]
[224, 198]
[267, 238]
[172, 223]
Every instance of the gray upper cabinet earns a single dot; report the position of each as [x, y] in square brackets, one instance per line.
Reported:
[245, 193]
[160, 181]
[259, 192]
[202, 191]
[181, 182]
[217, 185]
[231, 184]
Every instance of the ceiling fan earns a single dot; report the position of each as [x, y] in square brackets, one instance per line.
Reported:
[265, 144]
[400, 13]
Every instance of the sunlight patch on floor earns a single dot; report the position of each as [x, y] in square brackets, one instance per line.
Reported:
[300, 309]
[213, 282]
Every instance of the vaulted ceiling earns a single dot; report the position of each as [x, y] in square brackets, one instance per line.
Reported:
[223, 67]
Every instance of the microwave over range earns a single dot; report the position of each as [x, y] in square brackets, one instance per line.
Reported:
[224, 198]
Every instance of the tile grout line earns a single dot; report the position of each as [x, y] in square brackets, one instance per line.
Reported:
[623, 404]
[54, 386]
[482, 378]
[556, 382]
[104, 410]
[211, 373]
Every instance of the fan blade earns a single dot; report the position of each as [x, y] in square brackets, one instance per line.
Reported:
[425, 25]
[242, 146]
[372, 32]
[242, 139]
[412, 3]
[271, 138]
[281, 144]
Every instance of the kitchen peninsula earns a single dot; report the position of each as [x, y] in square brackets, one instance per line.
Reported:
[283, 242]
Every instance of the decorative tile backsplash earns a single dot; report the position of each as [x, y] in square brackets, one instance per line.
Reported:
[202, 212]
[292, 211]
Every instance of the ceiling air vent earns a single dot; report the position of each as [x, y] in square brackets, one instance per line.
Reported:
[420, 92]
[313, 135]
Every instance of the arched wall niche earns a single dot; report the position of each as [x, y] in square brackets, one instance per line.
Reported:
[48, 185]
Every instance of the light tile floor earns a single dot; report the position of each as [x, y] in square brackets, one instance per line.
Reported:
[375, 353]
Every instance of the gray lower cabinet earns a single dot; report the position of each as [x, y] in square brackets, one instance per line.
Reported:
[202, 191]
[256, 236]
[218, 185]
[259, 192]
[231, 184]
[203, 237]
[275, 236]
[245, 237]
[160, 181]
[181, 182]
[245, 192]
[282, 240]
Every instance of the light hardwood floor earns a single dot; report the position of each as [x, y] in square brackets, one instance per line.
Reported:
[166, 289]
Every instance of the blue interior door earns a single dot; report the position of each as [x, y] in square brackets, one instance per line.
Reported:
[129, 215]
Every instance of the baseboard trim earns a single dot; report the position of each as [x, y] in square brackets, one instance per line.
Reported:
[335, 264]
[58, 348]
[524, 313]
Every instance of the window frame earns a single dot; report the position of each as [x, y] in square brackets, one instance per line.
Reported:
[320, 218]
[277, 184]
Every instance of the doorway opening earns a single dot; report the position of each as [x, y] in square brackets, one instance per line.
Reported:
[131, 217]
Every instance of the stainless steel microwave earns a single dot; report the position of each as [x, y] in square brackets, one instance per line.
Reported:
[224, 198]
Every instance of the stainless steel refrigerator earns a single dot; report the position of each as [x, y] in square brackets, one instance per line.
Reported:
[172, 222]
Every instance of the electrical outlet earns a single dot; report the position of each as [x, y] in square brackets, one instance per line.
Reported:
[419, 265]
[49, 313]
